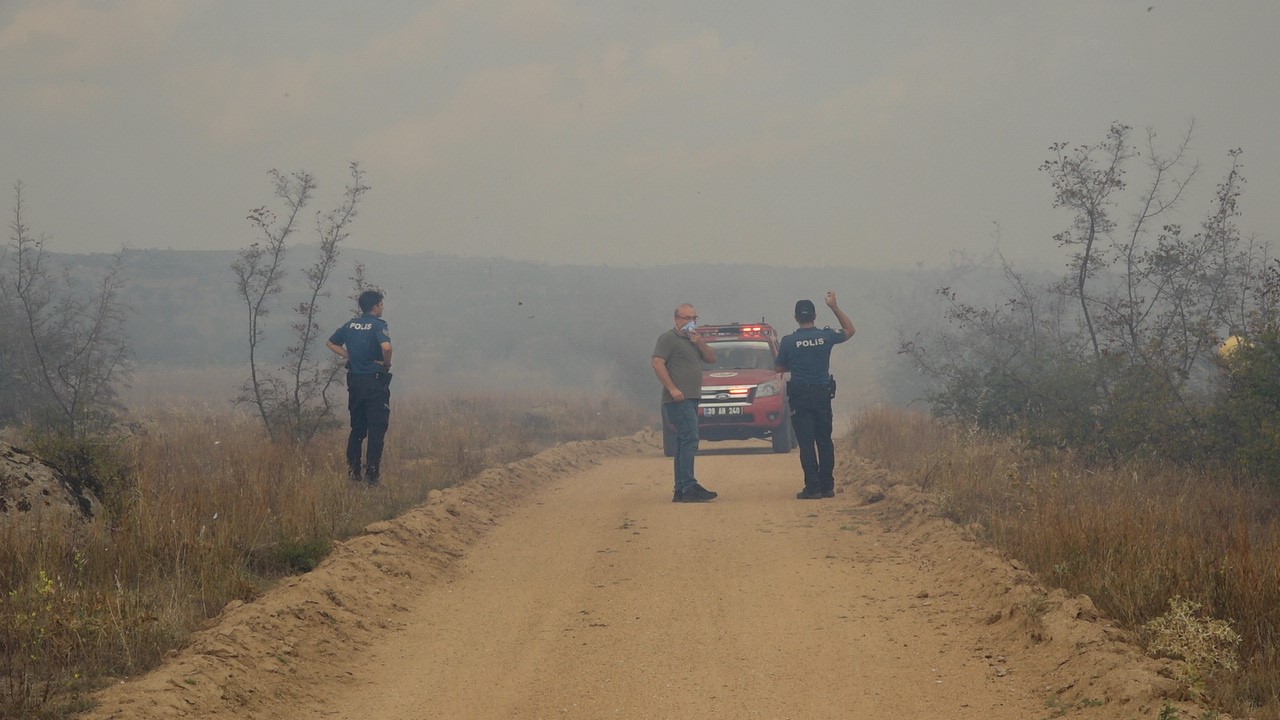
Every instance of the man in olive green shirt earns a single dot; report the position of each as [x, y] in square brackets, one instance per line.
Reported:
[677, 361]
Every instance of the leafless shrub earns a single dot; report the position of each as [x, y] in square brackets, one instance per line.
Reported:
[295, 403]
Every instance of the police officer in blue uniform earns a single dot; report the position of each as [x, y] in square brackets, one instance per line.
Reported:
[806, 354]
[365, 343]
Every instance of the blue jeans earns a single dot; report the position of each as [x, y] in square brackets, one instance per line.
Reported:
[684, 416]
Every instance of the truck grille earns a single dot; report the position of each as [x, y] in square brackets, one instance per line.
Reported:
[729, 394]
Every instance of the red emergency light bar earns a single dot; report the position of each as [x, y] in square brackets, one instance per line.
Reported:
[735, 330]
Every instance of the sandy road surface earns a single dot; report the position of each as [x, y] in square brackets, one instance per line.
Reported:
[586, 593]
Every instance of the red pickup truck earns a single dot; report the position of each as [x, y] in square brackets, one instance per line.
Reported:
[742, 396]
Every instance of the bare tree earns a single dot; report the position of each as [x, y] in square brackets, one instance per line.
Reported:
[1190, 285]
[309, 405]
[296, 404]
[259, 272]
[359, 283]
[68, 350]
[1141, 288]
[1086, 181]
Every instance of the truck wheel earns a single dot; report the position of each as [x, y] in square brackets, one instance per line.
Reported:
[783, 438]
[668, 440]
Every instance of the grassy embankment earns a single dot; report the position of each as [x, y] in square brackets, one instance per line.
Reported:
[1132, 537]
[206, 511]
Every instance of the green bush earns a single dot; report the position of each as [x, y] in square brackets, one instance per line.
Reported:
[1244, 419]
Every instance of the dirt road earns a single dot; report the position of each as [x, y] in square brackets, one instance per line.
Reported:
[570, 586]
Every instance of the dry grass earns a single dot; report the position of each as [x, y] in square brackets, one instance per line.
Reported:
[213, 512]
[1142, 539]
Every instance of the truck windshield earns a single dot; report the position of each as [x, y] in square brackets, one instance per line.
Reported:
[741, 355]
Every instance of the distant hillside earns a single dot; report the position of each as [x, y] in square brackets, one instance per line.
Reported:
[497, 325]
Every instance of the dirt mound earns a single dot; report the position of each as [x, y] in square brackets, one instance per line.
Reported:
[257, 654]
[33, 491]
[1084, 659]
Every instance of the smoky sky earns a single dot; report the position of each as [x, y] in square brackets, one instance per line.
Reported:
[859, 134]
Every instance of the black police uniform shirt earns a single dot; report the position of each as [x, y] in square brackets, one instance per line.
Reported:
[363, 338]
[807, 354]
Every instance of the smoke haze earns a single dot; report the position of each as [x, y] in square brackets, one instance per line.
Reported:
[863, 134]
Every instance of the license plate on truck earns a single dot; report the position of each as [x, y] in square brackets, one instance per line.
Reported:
[721, 411]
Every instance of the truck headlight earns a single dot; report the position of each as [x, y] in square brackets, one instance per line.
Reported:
[768, 389]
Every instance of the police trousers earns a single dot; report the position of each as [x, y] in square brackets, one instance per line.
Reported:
[369, 402]
[811, 420]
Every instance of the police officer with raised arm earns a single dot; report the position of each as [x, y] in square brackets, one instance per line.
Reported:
[365, 342]
[806, 354]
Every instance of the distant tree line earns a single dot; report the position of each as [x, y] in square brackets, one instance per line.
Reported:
[1116, 355]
